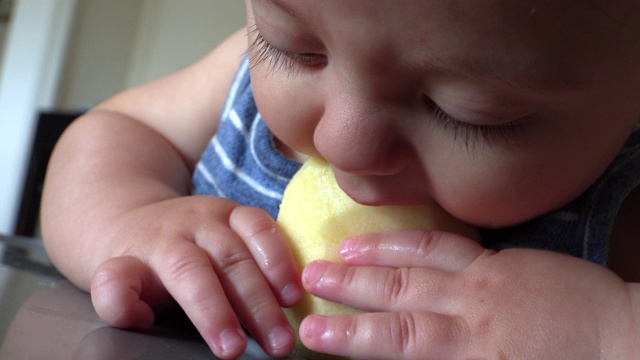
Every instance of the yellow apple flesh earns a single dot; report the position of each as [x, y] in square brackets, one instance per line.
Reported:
[316, 215]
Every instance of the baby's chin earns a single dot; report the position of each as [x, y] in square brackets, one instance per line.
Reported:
[487, 212]
[490, 217]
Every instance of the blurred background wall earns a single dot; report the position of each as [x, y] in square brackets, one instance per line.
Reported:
[68, 55]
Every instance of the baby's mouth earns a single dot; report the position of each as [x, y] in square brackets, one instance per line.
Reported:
[379, 191]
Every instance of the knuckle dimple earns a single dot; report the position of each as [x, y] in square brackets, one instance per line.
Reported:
[180, 261]
[414, 333]
[403, 333]
[262, 237]
[408, 332]
[352, 329]
[261, 228]
[395, 287]
[428, 240]
[231, 259]
[181, 267]
[262, 310]
[253, 223]
[275, 269]
[349, 277]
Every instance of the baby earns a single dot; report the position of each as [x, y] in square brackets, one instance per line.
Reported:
[518, 117]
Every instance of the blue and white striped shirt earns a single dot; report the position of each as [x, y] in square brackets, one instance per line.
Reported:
[241, 162]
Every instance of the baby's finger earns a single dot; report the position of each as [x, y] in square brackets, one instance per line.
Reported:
[187, 273]
[374, 288]
[248, 292]
[117, 289]
[401, 335]
[271, 251]
[412, 248]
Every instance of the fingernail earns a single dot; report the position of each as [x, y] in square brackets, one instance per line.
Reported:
[290, 294]
[231, 340]
[313, 326]
[314, 272]
[280, 339]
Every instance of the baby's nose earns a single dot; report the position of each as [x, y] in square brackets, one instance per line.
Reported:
[362, 138]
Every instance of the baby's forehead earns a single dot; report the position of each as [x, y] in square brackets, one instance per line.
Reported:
[563, 17]
[555, 37]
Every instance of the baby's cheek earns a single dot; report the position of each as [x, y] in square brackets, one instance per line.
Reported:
[494, 201]
[291, 116]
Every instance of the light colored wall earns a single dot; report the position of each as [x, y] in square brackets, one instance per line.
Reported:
[173, 34]
[5, 14]
[113, 44]
[32, 57]
[120, 43]
[99, 53]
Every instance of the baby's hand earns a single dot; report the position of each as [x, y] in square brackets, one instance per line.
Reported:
[435, 295]
[224, 264]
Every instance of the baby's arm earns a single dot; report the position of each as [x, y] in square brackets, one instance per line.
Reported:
[116, 220]
[146, 138]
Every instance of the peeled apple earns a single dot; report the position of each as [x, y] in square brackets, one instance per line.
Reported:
[316, 215]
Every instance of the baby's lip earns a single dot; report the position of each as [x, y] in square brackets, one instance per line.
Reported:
[376, 191]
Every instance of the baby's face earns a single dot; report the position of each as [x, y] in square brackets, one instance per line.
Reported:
[497, 110]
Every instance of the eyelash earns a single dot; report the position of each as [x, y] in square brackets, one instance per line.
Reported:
[471, 134]
[263, 52]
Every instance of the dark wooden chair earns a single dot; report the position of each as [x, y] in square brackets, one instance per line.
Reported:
[50, 127]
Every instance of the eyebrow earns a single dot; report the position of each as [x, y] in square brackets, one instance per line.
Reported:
[520, 76]
[487, 69]
[277, 4]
